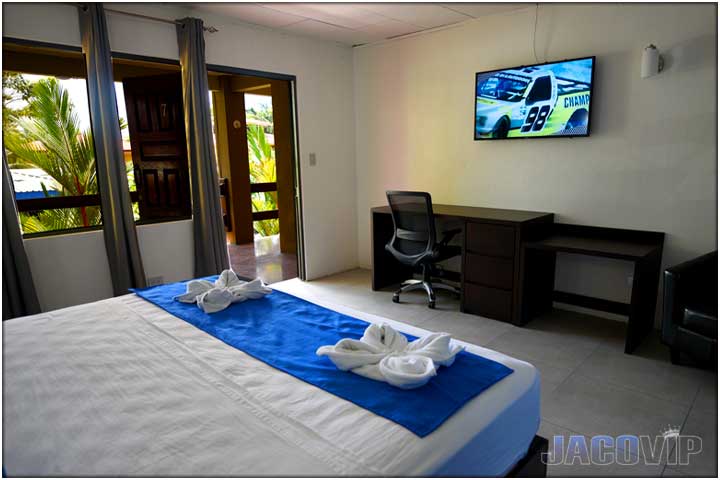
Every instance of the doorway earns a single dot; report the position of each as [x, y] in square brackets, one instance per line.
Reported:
[253, 122]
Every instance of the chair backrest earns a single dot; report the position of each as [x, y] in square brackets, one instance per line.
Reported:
[414, 222]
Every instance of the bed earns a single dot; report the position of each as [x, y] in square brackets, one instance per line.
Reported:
[120, 387]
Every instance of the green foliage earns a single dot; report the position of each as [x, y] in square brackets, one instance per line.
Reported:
[16, 94]
[49, 137]
[264, 114]
[61, 219]
[262, 170]
[52, 141]
[16, 89]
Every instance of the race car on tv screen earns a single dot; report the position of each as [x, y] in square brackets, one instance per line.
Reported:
[528, 102]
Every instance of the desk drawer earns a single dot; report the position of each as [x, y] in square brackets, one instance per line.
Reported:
[490, 239]
[488, 302]
[489, 271]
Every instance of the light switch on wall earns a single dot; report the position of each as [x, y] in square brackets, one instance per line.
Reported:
[313, 160]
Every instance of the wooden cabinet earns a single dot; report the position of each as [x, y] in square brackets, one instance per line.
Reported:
[491, 282]
[489, 266]
[489, 239]
[486, 301]
[489, 271]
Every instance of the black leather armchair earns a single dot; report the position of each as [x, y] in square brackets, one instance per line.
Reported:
[690, 324]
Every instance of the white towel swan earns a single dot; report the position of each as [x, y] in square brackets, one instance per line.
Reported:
[384, 354]
[226, 290]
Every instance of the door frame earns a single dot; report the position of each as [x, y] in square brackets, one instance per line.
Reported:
[230, 70]
[295, 156]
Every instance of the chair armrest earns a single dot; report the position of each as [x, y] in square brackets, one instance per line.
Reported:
[448, 235]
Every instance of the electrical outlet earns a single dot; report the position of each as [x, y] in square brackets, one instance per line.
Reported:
[151, 281]
[313, 160]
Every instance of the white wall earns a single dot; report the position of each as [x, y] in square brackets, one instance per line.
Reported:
[69, 269]
[325, 116]
[73, 269]
[166, 250]
[650, 163]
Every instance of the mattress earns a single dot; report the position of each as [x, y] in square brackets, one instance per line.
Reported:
[122, 388]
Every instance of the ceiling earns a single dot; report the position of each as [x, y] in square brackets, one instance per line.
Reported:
[354, 23]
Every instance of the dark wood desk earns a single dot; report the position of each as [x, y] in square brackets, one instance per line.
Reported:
[641, 247]
[490, 274]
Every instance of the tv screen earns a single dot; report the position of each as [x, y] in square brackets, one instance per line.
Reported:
[546, 100]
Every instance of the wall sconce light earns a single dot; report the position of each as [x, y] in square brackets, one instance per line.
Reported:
[652, 62]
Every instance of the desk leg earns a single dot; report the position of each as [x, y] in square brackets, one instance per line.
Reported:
[385, 269]
[643, 301]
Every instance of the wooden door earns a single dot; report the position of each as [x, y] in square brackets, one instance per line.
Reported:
[159, 151]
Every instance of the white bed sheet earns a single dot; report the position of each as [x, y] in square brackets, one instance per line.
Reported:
[122, 388]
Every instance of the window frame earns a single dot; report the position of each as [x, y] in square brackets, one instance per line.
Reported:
[92, 200]
[56, 202]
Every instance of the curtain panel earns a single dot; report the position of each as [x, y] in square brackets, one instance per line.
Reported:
[121, 241]
[18, 290]
[211, 254]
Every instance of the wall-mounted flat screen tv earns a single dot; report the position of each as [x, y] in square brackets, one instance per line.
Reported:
[544, 100]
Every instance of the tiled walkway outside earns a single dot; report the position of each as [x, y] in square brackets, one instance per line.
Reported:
[263, 259]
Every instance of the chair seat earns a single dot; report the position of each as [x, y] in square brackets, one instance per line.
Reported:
[437, 254]
[701, 322]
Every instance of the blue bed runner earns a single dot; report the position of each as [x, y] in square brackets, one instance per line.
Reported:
[284, 332]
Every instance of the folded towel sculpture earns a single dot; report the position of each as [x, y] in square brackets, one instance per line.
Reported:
[385, 355]
[226, 290]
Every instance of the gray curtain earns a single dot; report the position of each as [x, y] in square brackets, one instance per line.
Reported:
[211, 255]
[18, 290]
[121, 240]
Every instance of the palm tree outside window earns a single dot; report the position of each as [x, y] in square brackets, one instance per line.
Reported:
[48, 140]
[49, 145]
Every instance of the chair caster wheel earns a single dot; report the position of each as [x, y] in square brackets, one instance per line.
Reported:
[431, 304]
[396, 298]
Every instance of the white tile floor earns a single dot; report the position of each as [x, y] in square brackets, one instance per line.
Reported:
[589, 386]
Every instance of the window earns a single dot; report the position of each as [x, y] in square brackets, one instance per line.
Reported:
[49, 142]
[501, 86]
[541, 91]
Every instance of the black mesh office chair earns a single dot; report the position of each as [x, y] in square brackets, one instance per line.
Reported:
[414, 241]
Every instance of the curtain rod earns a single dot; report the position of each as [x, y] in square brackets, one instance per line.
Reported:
[209, 29]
